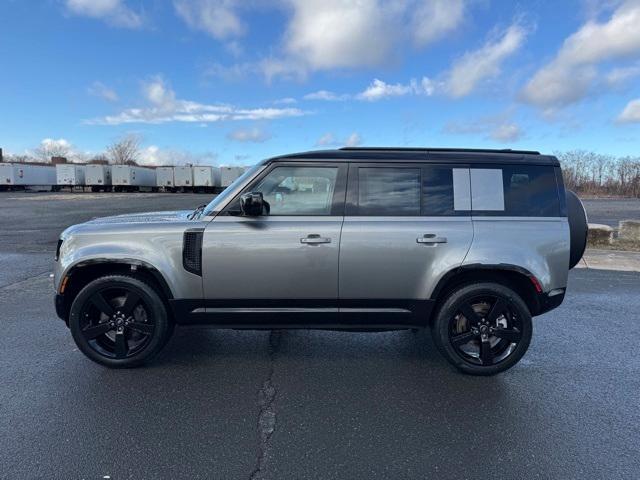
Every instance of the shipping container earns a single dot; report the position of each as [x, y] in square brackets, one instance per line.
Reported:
[164, 178]
[183, 177]
[98, 177]
[69, 175]
[133, 178]
[17, 176]
[229, 174]
[206, 178]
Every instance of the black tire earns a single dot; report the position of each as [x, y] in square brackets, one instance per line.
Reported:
[578, 228]
[119, 321]
[500, 328]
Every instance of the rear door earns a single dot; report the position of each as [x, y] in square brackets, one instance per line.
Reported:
[405, 226]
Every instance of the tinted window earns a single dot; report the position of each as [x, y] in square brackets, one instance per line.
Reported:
[389, 191]
[299, 190]
[530, 191]
[437, 191]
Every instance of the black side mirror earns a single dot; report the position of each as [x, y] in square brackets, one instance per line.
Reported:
[252, 204]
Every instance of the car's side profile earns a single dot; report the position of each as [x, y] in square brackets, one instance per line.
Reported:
[471, 243]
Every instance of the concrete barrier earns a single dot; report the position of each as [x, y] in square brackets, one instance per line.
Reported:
[629, 230]
[599, 235]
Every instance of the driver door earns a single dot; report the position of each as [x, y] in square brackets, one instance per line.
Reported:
[284, 263]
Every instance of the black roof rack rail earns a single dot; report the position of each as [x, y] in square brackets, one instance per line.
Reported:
[417, 149]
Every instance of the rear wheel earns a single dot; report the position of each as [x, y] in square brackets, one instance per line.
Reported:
[483, 329]
[119, 321]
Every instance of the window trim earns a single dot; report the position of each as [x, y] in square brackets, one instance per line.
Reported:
[352, 206]
[339, 191]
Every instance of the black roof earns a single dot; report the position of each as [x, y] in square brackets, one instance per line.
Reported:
[432, 155]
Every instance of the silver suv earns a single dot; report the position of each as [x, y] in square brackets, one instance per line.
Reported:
[471, 243]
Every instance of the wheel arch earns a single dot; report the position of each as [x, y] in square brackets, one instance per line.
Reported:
[86, 271]
[519, 279]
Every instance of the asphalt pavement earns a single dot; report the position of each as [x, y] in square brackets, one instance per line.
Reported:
[309, 404]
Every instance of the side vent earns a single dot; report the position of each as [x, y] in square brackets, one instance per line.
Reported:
[192, 251]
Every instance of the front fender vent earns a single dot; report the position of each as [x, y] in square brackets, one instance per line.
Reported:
[192, 251]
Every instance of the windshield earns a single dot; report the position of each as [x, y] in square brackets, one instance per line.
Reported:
[222, 197]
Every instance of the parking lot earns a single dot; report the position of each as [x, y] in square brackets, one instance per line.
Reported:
[305, 404]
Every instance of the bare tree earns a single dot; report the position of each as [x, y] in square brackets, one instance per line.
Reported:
[99, 159]
[125, 150]
[52, 148]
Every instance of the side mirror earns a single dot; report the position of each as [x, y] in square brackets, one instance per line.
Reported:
[252, 204]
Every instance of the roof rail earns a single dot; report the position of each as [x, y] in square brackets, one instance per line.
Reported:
[417, 149]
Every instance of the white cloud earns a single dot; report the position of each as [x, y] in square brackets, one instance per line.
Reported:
[217, 18]
[285, 101]
[326, 139]
[255, 134]
[329, 139]
[353, 140]
[347, 34]
[99, 89]
[499, 128]
[433, 19]
[631, 113]
[506, 132]
[379, 89]
[326, 96]
[114, 12]
[620, 76]
[570, 76]
[338, 33]
[164, 107]
[154, 155]
[484, 63]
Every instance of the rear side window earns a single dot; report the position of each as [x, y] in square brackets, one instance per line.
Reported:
[530, 191]
[515, 190]
[437, 191]
[388, 191]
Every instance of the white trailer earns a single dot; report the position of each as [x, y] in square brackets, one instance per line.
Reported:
[164, 178]
[229, 174]
[69, 175]
[98, 177]
[133, 178]
[206, 178]
[183, 177]
[18, 176]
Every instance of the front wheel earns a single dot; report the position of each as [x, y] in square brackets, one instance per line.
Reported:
[119, 321]
[482, 329]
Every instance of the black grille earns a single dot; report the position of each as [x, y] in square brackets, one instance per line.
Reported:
[192, 251]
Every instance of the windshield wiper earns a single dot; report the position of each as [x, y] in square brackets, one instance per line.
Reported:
[197, 211]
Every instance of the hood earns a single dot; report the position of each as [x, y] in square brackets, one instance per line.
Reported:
[148, 217]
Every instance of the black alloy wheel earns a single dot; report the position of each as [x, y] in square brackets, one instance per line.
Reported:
[482, 329]
[119, 321]
[485, 330]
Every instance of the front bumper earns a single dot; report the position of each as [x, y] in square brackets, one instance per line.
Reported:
[62, 309]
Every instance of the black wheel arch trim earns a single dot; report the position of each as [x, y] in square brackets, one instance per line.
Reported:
[539, 302]
[62, 304]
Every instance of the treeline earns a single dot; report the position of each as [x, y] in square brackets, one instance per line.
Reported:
[593, 173]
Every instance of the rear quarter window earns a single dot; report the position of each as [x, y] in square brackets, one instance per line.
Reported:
[515, 191]
[530, 191]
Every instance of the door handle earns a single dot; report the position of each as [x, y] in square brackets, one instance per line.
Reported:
[431, 239]
[314, 239]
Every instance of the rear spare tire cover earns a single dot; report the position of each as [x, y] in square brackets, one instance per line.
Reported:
[578, 228]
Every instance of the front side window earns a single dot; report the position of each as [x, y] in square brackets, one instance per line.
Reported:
[291, 190]
[389, 191]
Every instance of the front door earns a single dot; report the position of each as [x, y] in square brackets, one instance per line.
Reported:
[274, 267]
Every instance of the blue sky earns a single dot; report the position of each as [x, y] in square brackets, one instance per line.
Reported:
[230, 81]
